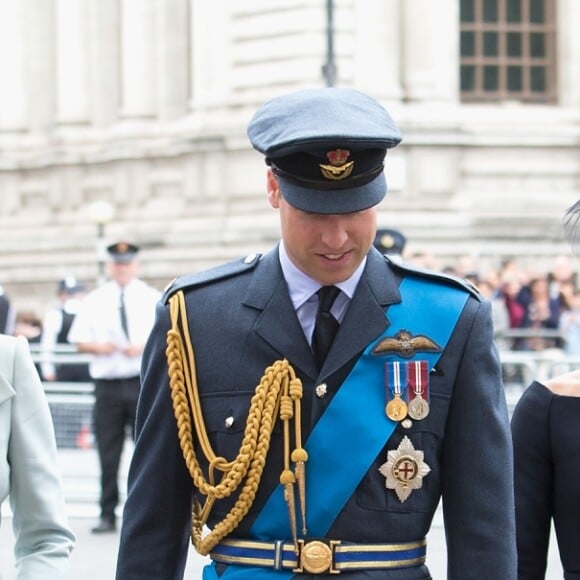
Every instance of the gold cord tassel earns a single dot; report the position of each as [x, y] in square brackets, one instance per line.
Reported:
[279, 392]
[299, 457]
[287, 479]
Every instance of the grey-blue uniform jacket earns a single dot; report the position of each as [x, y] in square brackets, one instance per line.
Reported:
[241, 320]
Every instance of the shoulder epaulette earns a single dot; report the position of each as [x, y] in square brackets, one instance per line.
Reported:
[211, 275]
[440, 276]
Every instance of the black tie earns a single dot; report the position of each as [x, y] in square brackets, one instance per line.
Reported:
[326, 325]
[123, 314]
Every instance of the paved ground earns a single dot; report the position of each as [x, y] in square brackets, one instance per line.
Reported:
[94, 557]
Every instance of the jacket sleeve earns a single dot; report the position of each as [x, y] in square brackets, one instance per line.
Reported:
[43, 538]
[477, 461]
[533, 479]
[157, 514]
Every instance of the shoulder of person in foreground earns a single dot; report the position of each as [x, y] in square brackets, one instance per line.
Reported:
[211, 276]
[567, 384]
[407, 269]
[32, 442]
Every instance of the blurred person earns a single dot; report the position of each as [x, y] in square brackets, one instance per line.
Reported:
[327, 327]
[546, 435]
[390, 243]
[29, 325]
[570, 327]
[541, 312]
[7, 314]
[499, 312]
[29, 475]
[55, 328]
[113, 323]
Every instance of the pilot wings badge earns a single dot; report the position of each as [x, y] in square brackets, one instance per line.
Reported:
[404, 469]
[405, 344]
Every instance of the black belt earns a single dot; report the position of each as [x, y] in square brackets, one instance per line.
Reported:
[320, 556]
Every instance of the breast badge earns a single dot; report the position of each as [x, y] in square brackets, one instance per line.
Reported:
[404, 469]
[405, 344]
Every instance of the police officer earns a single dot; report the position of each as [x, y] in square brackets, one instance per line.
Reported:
[55, 327]
[311, 406]
[112, 324]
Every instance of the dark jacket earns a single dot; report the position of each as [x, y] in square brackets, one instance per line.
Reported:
[241, 320]
[546, 435]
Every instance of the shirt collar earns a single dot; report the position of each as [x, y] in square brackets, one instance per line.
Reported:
[301, 286]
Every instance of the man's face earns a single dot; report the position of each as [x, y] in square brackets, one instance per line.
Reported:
[328, 248]
[123, 273]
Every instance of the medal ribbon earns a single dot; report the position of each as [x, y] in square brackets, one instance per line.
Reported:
[337, 460]
[419, 378]
[396, 378]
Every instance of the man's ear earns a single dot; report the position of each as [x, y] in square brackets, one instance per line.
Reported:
[273, 189]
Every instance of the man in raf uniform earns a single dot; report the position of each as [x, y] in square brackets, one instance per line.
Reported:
[304, 411]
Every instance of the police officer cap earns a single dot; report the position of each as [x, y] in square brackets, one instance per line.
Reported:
[70, 285]
[122, 252]
[327, 148]
[389, 241]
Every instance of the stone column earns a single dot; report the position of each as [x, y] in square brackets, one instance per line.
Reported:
[72, 56]
[568, 52]
[173, 57]
[377, 65]
[139, 67]
[210, 55]
[104, 61]
[13, 93]
[430, 35]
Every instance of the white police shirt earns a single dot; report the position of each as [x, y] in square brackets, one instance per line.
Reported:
[98, 320]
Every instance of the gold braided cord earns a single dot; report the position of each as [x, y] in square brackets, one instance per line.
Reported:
[279, 391]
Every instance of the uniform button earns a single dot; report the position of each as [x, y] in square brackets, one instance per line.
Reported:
[320, 390]
[229, 422]
[407, 423]
[249, 259]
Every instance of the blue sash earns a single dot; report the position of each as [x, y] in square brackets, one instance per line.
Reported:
[427, 308]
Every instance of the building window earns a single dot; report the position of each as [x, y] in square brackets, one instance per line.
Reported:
[508, 50]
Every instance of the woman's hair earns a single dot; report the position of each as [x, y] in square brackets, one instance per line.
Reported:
[570, 220]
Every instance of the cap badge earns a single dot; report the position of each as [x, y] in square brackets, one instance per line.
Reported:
[404, 469]
[340, 167]
[405, 344]
[387, 241]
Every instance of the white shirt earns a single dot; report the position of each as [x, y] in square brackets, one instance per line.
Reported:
[303, 289]
[98, 320]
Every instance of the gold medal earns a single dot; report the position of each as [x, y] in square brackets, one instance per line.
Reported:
[396, 382]
[396, 409]
[418, 408]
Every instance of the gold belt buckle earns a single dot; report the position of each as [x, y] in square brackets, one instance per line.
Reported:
[316, 557]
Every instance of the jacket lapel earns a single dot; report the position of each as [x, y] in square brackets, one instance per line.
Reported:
[278, 324]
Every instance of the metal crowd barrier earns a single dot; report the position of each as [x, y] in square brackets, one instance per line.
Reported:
[71, 403]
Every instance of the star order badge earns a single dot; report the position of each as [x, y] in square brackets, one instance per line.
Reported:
[404, 469]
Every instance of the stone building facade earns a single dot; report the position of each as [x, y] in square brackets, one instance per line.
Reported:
[144, 103]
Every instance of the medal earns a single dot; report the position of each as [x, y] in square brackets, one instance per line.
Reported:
[396, 408]
[418, 389]
[404, 469]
